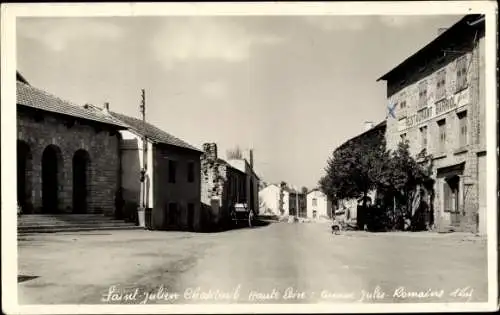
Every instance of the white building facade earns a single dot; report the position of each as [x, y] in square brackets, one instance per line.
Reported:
[274, 201]
[318, 205]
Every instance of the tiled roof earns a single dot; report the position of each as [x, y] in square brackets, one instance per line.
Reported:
[460, 27]
[152, 132]
[30, 96]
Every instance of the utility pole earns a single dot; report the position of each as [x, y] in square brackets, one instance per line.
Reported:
[144, 151]
[297, 203]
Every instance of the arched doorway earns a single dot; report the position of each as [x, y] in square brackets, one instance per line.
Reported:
[24, 173]
[51, 169]
[81, 161]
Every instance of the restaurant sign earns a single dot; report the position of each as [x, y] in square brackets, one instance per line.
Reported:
[443, 106]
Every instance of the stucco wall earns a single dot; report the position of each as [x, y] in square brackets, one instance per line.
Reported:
[132, 162]
[321, 206]
[269, 200]
[102, 144]
[182, 192]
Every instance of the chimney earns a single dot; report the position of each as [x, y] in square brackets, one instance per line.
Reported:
[106, 107]
[210, 150]
[368, 125]
[441, 30]
[251, 158]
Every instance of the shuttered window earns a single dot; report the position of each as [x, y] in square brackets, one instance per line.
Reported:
[461, 73]
[462, 125]
[172, 170]
[440, 85]
[422, 93]
[442, 135]
[190, 172]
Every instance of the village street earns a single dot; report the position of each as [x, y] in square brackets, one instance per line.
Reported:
[250, 266]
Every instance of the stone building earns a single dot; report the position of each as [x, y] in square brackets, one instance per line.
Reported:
[436, 101]
[223, 184]
[68, 159]
[172, 177]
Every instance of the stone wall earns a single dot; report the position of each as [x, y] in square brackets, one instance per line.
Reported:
[221, 187]
[213, 182]
[38, 130]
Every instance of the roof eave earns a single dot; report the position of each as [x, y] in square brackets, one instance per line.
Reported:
[116, 126]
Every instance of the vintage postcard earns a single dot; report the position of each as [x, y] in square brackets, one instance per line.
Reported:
[305, 157]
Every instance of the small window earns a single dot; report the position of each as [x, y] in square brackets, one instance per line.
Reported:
[190, 172]
[440, 85]
[403, 137]
[422, 93]
[442, 135]
[462, 123]
[461, 73]
[172, 169]
[314, 202]
[402, 104]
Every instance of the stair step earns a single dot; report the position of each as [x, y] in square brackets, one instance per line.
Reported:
[99, 224]
[77, 229]
[52, 223]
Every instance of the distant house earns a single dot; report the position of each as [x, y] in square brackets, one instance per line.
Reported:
[223, 184]
[297, 199]
[172, 175]
[274, 200]
[318, 205]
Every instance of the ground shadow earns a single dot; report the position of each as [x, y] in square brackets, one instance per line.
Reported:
[23, 278]
[237, 226]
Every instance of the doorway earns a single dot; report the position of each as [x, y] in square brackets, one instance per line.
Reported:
[190, 216]
[452, 199]
[24, 171]
[51, 169]
[81, 163]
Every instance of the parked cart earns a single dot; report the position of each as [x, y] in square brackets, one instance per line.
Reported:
[242, 213]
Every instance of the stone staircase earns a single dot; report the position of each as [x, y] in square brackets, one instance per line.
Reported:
[52, 223]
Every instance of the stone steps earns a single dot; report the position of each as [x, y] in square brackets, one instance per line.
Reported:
[52, 223]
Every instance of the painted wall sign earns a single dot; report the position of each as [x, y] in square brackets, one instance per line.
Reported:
[458, 100]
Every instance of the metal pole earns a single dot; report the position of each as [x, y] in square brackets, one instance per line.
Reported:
[144, 149]
[297, 204]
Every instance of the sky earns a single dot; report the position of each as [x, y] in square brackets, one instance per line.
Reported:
[293, 88]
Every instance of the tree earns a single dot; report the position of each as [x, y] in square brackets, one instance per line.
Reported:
[363, 164]
[404, 179]
[354, 168]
